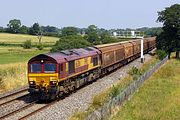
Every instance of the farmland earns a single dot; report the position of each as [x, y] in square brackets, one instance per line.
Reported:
[18, 39]
[12, 52]
[17, 54]
[157, 99]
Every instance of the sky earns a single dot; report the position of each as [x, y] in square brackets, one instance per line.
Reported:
[106, 14]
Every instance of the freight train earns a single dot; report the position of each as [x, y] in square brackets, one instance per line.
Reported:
[54, 75]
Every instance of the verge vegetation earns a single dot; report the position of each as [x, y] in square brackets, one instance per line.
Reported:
[13, 76]
[157, 99]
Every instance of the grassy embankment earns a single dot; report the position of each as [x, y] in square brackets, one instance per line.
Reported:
[13, 76]
[13, 58]
[157, 99]
[102, 98]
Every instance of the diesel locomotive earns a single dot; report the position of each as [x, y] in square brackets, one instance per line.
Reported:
[54, 75]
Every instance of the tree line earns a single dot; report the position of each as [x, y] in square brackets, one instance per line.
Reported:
[16, 27]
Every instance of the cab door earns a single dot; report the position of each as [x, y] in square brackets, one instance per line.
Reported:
[62, 70]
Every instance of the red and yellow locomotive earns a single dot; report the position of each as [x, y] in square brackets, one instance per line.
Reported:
[52, 75]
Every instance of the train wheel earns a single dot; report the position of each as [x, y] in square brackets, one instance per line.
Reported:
[61, 95]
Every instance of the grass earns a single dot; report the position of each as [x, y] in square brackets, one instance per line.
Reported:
[18, 54]
[13, 76]
[157, 99]
[102, 98]
[11, 52]
[15, 39]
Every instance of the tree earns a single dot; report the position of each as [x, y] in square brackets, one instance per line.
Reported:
[36, 30]
[24, 29]
[1, 29]
[69, 31]
[92, 28]
[14, 26]
[49, 29]
[92, 35]
[70, 42]
[169, 39]
[106, 38]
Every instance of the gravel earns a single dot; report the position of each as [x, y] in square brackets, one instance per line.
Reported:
[25, 112]
[14, 105]
[80, 100]
[6, 93]
[13, 97]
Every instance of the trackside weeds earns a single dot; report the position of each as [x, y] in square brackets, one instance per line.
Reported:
[109, 109]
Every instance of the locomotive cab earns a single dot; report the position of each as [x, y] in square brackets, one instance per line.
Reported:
[43, 75]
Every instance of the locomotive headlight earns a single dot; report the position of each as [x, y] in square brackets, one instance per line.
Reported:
[52, 82]
[31, 82]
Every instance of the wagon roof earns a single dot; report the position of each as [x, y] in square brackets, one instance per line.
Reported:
[68, 55]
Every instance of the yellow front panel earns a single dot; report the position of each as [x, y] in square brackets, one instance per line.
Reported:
[42, 79]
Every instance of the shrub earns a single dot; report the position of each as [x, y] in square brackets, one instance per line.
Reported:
[135, 72]
[40, 46]
[100, 99]
[70, 42]
[27, 44]
[161, 54]
[115, 91]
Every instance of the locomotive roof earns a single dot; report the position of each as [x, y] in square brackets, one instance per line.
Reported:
[68, 55]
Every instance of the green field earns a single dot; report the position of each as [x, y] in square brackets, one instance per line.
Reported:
[17, 54]
[11, 52]
[16, 39]
[157, 99]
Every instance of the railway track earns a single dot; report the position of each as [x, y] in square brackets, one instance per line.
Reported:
[13, 96]
[27, 110]
[18, 110]
[38, 110]
[14, 93]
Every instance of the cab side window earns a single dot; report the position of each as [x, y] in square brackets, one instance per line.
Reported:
[95, 61]
[61, 68]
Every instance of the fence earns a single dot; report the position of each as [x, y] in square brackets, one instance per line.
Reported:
[108, 109]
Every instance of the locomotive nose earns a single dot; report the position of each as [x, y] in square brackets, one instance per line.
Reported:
[43, 80]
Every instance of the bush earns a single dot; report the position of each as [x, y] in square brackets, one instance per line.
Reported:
[115, 91]
[161, 54]
[70, 42]
[40, 46]
[135, 72]
[27, 44]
